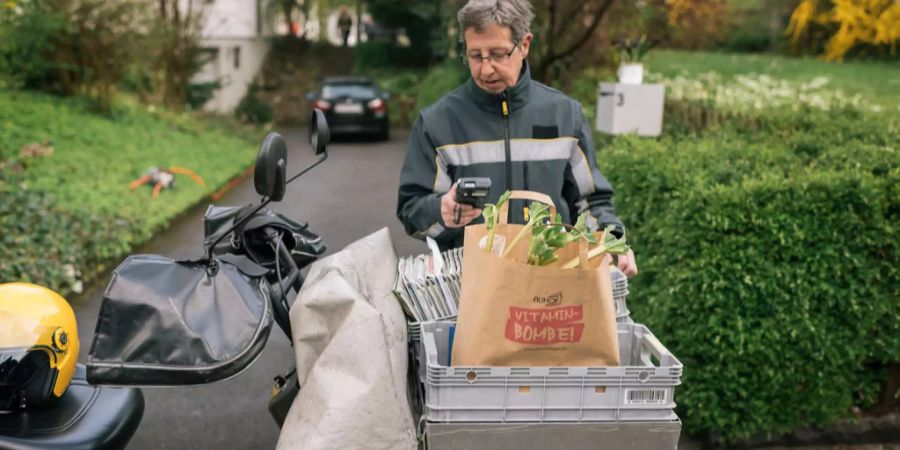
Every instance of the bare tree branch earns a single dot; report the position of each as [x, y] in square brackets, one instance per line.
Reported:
[565, 40]
[579, 42]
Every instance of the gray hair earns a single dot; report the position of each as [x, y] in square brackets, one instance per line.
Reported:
[514, 14]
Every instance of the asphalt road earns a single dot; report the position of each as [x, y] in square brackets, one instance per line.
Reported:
[349, 196]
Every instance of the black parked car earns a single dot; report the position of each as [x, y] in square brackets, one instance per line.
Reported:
[353, 105]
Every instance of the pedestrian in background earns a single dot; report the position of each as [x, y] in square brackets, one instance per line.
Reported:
[345, 23]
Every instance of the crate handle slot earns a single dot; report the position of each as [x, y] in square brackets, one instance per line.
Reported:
[657, 349]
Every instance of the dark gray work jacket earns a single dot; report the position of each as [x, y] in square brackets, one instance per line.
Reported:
[540, 142]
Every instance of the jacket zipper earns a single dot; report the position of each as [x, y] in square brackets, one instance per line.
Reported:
[504, 109]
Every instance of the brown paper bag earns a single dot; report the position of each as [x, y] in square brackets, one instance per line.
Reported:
[515, 314]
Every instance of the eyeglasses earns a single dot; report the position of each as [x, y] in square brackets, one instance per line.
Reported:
[494, 56]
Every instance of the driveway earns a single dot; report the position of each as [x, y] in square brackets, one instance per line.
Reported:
[349, 196]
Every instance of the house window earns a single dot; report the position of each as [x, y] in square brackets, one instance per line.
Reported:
[237, 57]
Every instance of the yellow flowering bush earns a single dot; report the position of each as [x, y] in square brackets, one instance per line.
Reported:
[850, 23]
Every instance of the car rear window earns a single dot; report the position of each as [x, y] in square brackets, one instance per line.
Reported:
[348, 90]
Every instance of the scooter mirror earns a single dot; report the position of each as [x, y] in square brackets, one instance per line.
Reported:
[319, 135]
[269, 176]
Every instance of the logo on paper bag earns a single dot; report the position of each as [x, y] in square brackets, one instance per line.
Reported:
[550, 300]
[546, 325]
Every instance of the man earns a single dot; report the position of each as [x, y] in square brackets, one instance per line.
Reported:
[503, 125]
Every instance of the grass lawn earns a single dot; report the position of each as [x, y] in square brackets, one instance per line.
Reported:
[95, 157]
[877, 81]
[74, 207]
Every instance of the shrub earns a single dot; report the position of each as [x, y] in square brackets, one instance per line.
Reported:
[696, 24]
[49, 245]
[402, 87]
[72, 47]
[842, 26]
[28, 34]
[381, 54]
[411, 91]
[200, 93]
[373, 55]
[439, 81]
[252, 109]
[768, 263]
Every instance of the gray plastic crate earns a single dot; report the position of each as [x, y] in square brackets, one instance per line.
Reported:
[419, 352]
[640, 390]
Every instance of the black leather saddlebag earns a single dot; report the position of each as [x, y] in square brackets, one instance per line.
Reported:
[171, 323]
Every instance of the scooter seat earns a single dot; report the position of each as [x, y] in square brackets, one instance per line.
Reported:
[86, 417]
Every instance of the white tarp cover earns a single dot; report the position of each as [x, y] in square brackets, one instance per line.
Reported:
[350, 343]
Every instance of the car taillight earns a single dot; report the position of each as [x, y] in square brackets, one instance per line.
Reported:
[322, 104]
[377, 105]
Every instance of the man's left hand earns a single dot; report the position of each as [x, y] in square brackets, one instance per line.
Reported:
[627, 264]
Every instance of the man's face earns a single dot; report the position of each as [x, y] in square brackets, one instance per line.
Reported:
[501, 71]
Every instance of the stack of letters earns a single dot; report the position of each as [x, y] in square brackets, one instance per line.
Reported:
[428, 288]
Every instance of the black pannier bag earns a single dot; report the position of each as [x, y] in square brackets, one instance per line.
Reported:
[164, 322]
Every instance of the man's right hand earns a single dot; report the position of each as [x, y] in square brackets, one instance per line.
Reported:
[449, 209]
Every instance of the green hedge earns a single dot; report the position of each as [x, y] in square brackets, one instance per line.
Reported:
[769, 263]
[439, 81]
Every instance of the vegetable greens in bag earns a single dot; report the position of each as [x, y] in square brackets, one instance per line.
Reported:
[549, 234]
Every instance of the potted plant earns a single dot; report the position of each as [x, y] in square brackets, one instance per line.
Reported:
[631, 55]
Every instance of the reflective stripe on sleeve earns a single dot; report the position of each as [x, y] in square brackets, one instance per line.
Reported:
[442, 181]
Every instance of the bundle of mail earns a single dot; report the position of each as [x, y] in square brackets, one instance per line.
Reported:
[428, 287]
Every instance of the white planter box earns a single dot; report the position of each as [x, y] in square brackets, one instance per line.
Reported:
[630, 108]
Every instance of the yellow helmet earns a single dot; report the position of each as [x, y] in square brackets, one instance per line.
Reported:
[38, 346]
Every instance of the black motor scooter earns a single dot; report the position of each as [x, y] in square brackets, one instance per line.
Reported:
[174, 323]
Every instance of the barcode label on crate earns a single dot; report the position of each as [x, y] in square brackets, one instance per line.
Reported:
[645, 396]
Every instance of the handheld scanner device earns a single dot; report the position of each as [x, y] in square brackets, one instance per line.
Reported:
[472, 191]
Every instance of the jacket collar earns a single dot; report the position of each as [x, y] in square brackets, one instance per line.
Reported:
[516, 96]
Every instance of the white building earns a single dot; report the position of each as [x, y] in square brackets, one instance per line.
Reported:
[235, 40]
[236, 37]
